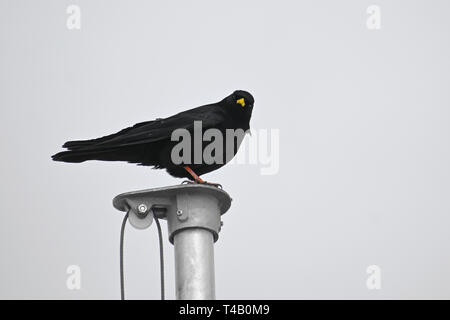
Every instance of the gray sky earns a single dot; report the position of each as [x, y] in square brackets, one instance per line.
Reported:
[364, 143]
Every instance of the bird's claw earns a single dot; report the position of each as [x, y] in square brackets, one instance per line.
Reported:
[217, 185]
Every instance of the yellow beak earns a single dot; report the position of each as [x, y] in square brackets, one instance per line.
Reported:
[241, 101]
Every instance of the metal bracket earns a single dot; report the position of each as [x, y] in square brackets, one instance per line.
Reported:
[183, 206]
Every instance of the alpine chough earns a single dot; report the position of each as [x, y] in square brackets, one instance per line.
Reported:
[151, 143]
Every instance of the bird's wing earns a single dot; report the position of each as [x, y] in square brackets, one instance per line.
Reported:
[151, 131]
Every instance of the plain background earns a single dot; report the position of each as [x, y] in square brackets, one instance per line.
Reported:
[364, 155]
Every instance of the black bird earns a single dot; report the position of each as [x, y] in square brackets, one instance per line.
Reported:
[150, 143]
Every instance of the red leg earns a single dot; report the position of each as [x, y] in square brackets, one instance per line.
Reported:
[194, 175]
[197, 179]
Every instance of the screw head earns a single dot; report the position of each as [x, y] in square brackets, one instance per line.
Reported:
[142, 208]
[179, 212]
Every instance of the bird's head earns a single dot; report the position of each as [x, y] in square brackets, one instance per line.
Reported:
[241, 100]
[240, 104]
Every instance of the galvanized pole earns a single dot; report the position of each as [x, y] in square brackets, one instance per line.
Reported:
[194, 265]
[193, 213]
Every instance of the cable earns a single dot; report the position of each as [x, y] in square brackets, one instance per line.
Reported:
[161, 258]
[122, 233]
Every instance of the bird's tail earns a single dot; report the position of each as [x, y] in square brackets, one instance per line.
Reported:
[80, 151]
[77, 156]
[78, 144]
[77, 151]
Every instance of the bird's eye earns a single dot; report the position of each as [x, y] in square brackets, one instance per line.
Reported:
[241, 101]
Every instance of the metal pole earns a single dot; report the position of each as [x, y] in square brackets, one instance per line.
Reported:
[194, 265]
[193, 213]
